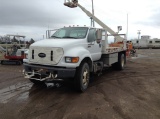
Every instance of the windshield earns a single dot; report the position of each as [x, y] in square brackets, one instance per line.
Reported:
[71, 32]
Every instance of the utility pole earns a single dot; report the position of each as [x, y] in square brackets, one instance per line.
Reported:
[139, 33]
[92, 21]
[127, 27]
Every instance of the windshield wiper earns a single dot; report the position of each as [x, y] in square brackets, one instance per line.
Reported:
[55, 37]
[69, 37]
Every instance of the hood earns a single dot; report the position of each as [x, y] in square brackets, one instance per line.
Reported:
[57, 42]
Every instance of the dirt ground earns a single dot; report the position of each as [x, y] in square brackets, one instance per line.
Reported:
[133, 93]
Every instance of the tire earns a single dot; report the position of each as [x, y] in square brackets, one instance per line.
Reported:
[18, 62]
[1, 62]
[81, 80]
[121, 62]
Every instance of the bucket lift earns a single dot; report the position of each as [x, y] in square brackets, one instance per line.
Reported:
[71, 3]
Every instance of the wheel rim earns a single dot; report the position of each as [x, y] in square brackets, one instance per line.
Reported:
[85, 77]
[122, 61]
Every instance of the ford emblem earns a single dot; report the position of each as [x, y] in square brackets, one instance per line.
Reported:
[42, 55]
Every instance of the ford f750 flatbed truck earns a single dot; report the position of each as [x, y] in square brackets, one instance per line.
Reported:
[74, 53]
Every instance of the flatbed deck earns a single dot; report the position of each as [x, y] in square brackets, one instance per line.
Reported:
[110, 50]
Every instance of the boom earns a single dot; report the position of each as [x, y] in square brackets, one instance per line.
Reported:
[2, 49]
[75, 3]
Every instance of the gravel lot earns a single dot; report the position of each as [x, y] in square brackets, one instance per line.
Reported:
[133, 93]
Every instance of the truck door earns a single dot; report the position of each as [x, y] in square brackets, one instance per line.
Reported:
[94, 47]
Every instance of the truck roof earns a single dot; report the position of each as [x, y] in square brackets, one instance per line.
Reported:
[82, 26]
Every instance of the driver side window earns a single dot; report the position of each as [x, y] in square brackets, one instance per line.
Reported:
[92, 35]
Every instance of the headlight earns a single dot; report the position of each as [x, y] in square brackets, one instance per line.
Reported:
[71, 59]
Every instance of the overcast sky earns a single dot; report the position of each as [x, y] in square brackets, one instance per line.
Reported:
[33, 17]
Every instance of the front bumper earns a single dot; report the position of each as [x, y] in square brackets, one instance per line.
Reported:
[41, 72]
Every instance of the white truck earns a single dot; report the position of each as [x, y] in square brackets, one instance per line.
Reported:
[73, 53]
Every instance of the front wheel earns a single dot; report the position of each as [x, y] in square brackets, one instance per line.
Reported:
[82, 76]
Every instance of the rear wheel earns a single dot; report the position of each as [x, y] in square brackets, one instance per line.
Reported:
[121, 62]
[82, 76]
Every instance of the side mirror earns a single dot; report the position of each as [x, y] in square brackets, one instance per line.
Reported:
[119, 28]
[99, 35]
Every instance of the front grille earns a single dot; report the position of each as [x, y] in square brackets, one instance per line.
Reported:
[32, 54]
[52, 55]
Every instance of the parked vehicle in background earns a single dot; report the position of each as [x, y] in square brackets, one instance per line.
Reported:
[14, 53]
[146, 42]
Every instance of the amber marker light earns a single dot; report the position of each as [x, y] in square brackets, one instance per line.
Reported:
[75, 59]
[71, 59]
